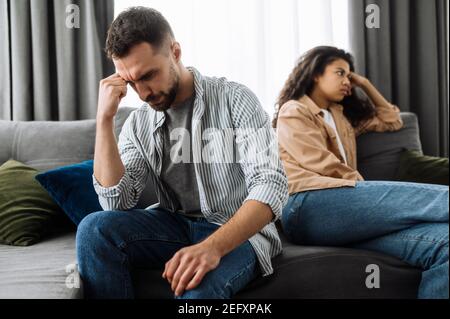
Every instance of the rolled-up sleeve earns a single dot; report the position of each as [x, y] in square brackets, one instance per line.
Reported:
[258, 148]
[126, 193]
[387, 118]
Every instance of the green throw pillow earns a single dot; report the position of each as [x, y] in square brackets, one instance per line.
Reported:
[27, 212]
[418, 168]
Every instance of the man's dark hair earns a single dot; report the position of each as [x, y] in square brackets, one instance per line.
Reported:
[136, 25]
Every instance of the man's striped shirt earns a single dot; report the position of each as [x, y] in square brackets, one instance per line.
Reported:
[235, 156]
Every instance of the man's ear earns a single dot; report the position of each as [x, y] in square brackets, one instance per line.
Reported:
[176, 51]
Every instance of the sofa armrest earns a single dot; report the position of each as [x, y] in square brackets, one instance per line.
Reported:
[379, 153]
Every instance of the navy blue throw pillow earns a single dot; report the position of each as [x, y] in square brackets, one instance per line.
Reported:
[71, 188]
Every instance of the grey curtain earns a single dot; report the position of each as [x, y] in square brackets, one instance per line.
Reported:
[407, 59]
[49, 71]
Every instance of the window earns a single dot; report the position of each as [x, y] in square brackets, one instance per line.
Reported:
[253, 42]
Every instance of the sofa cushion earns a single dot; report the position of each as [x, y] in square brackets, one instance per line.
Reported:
[72, 189]
[379, 153]
[46, 270]
[309, 272]
[418, 168]
[27, 213]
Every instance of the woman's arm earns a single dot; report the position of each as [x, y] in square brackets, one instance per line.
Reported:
[387, 117]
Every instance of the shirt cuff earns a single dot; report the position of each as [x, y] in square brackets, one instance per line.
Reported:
[267, 195]
[112, 191]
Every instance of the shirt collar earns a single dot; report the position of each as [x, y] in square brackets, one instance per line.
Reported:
[315, 109]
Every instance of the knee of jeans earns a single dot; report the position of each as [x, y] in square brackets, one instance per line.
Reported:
[441, 248]
[204, 292]
[442, 254]
[210, 287]
[94, 225]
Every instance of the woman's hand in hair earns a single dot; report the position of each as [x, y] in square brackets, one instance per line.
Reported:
[358, 80]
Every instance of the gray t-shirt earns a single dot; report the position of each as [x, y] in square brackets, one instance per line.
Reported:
[178, 172]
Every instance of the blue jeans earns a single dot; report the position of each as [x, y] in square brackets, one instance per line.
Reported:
[111, 243]
[405, 220]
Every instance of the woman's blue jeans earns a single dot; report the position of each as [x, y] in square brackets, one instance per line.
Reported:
[110, 244]
[405, 220]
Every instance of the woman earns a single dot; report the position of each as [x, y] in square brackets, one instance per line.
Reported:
[318, 118]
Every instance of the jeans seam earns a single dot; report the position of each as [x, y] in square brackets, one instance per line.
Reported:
[239, 274]
[419, 238]
[127, 273]
[415, 185]
[191, 229]
[293, 211]
[124, 259]
[124, 244]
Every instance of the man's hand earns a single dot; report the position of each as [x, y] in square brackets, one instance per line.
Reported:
[108, 166]
[189, 265]
[111, 90]
[186, 269]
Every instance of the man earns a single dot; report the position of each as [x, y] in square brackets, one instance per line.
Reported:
[213, 231]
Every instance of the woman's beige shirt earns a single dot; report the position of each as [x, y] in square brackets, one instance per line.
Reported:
[309, 149]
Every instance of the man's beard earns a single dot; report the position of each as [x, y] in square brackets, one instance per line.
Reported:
[168, 98]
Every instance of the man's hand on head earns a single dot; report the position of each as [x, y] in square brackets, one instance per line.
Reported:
[111, 90]
[186, 269]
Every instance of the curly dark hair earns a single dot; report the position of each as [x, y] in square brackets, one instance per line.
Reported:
[136, 25]
[313, 64]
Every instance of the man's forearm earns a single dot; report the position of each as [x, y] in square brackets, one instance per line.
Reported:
[108, 167]
[248, 220]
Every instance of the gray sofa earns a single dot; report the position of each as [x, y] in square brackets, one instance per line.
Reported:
[44, 270]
